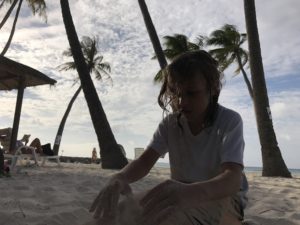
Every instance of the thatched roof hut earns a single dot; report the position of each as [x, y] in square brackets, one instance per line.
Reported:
[14, 75]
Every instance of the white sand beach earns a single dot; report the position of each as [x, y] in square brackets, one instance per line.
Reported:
[53, 195]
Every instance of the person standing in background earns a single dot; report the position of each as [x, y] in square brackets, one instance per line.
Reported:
[94, 156]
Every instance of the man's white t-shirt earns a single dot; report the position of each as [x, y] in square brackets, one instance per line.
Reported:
[199, 157]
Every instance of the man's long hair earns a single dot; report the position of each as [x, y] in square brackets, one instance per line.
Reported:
[185, 67]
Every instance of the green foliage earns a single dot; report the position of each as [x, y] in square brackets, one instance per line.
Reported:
[89, 47]
[229, 50]
[176, 45]
[229, 47]
[38, 7]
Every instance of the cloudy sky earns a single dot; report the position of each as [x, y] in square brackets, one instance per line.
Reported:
[130, 103]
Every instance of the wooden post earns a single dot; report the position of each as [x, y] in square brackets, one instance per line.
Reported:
[17, 116]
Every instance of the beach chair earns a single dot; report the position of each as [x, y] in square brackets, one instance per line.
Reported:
[45, 158]
[22, 152]
[47, 154]
[33, 155]
[21, 157]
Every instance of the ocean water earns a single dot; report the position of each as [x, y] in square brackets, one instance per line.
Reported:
[247, 168]
[259, 169]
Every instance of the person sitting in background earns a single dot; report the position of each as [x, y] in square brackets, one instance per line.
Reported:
[4, 168]
[5, 135]
[5, 138]
[1, 162]
[5, 141]
[41, 149]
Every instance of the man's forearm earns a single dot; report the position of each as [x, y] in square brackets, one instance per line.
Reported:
[139, 167]
[133, 172]
[221, 186]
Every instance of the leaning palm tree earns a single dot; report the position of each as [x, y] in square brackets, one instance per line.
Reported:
[176, 45]
[153, 35]
[95, 65]
[9, 11]
[36, 6]
[229, 50]
[111, 154]
[273, 163]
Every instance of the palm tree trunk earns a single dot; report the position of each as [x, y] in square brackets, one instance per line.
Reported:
[153, 35]
[12, 30]
[111, 155]
[273, 163]
[2, 3]
[247, 81]
[12, 6]
[63, 122]
[1, 162]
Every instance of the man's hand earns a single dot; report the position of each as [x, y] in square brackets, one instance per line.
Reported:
[163, 201]
[105, 205]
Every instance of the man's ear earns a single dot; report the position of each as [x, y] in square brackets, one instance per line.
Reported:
[214, 91]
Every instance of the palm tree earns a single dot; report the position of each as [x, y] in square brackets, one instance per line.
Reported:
[153, 35]
[273, 163]
[176, 45]
[229, 50]
[37, 7]
[111, 154]
[95, 65]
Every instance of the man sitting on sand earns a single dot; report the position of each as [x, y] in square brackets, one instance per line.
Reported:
[205, 145]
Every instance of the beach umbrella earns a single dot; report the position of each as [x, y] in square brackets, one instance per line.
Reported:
[14, 75]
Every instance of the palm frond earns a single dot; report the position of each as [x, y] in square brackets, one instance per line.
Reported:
[89, 48]
[200, 41]
[154, 56]
[224, 65]
[97, 74]
[243, 38]
[67, 66]
[192, 46]
[106, 67]
[75, 81]
[101, 69]
[98, 59]
[67, 53]
[38, 7]
[159, 77]
[229, 42]
[171, 53]
[244, 54]
[222, 55]
[175, 45]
